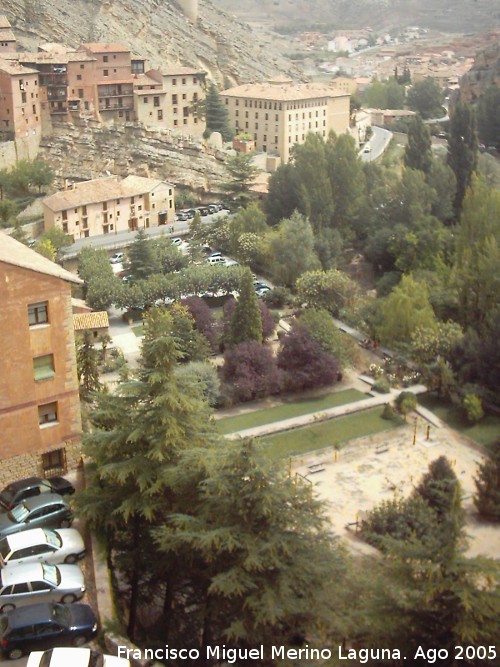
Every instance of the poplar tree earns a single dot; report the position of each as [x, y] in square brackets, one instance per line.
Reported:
[87, 366]
[462, 149]
[216, 114]
[246, 322]
[418, 152]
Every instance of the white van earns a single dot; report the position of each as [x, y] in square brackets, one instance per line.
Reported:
[216, 260]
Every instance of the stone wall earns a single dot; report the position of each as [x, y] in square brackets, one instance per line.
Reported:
[21, 148]
[28, 465]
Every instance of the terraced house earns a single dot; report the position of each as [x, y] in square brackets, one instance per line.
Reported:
[40, 423]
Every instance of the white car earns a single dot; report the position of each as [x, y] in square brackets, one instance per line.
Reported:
[42, 545]
[74, 657]
[176, 241]
[38, 582]
[117, 258]
[367, 149]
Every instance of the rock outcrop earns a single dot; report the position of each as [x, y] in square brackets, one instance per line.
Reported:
[85, 151]
[484, 73]
[160, 30]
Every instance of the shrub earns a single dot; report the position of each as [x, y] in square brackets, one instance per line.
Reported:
[406, 402]
[473, 408]
[382, 386]
[278, 297]
[388, 413]
[251, 369]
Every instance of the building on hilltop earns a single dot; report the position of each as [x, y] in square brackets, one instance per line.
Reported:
[40, 424]
[169, 97]
[110, 205]
[20, 107]
[279, 113]
[8, 42]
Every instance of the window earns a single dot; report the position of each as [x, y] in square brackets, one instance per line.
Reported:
[105, 59]
[82, 66]
[105, 72]
[54, 459]
[38, 313]
[160, 114]
[78, 77]
[174, 82]
[183, 82]
[47, 413]
[174, 99]
[80, 93]
[156, 101]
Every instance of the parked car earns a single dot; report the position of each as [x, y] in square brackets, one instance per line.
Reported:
[181, 215]
[203, 210]
[367, 149]
[214, 208]
[176, 241]
[48, 510]
[262, 291]
[216, 253]
[74, 657]
[42, 545]
[128, 278]
[16, 492]
[117, 258]
[190, 212]
[43, 625]
[216, 260]
[39, 582]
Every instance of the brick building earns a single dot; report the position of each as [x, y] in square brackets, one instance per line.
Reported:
[279, 114]
[40, 422]
[8, 42]
[110, 205]
[19, 101]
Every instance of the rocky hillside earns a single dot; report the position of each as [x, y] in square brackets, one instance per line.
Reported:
[85, 151]
[223, 46]
[484, 73]
[444, 15]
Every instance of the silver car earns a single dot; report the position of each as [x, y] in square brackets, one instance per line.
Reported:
[42, 545]
[37, 582]
[48, 510]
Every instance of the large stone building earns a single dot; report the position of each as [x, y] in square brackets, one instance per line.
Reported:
[20, 107]
[40, 423]
[110, 205]
[279, 114]
[8, 42]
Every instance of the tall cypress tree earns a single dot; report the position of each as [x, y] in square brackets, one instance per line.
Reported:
[462, 150]
[418, 152]
[216, 114]
[141, 256]
[246, 323]
[87, 365]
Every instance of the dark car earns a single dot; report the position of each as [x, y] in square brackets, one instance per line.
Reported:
[16, 492]
[47, 510]
[203, 210]
[40, 626]
[190, 212]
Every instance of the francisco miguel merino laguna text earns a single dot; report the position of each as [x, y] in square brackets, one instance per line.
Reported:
[232, 655]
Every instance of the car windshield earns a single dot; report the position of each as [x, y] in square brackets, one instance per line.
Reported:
[4, 548]
[53, 538]
[61, 615]
[8, 494]
[51, 575]
[18, 514]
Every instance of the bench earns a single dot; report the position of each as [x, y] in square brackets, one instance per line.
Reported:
[316, 467]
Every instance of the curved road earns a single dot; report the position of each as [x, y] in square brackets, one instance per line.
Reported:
[378, 143]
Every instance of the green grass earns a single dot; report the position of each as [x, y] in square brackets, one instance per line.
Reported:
[484, 432]
[138, 329]
[288, 410]
[327, 434]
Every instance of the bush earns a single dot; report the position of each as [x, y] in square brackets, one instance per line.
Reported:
[473, 408]
[388, 412]
[406, 402]
[205, 375]
[278, 297]
[382, 386]
[251, 369]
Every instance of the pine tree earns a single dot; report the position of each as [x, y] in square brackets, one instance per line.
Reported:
[254, 549]
[87, 366]
[216, 114]
[242, 172]
[141, 256]
[418, 152]
[487, 498]
[462, 149]
[246, 322]
[136, 438]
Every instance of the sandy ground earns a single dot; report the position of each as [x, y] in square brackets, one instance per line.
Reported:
[376, 468]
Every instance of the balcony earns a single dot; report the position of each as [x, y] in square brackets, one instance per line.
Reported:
[116, 107]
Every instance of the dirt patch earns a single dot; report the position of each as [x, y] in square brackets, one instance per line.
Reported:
[381, 466]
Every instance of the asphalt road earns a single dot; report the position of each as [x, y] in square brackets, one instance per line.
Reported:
[126, 238]
[378, 143]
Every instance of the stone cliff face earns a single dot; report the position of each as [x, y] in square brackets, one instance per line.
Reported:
[484, 73]
[160, 30]
[85, 151]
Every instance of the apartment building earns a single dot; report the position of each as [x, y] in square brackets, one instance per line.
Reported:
[280, 114]
[40, 422]
[174, 103]
[19, 101]
[110, 205]
[8, 42]
[113, 79]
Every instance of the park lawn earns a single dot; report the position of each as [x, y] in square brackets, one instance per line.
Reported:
[138, 329]
[484, 432]
[328, 433]
[288, 410]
